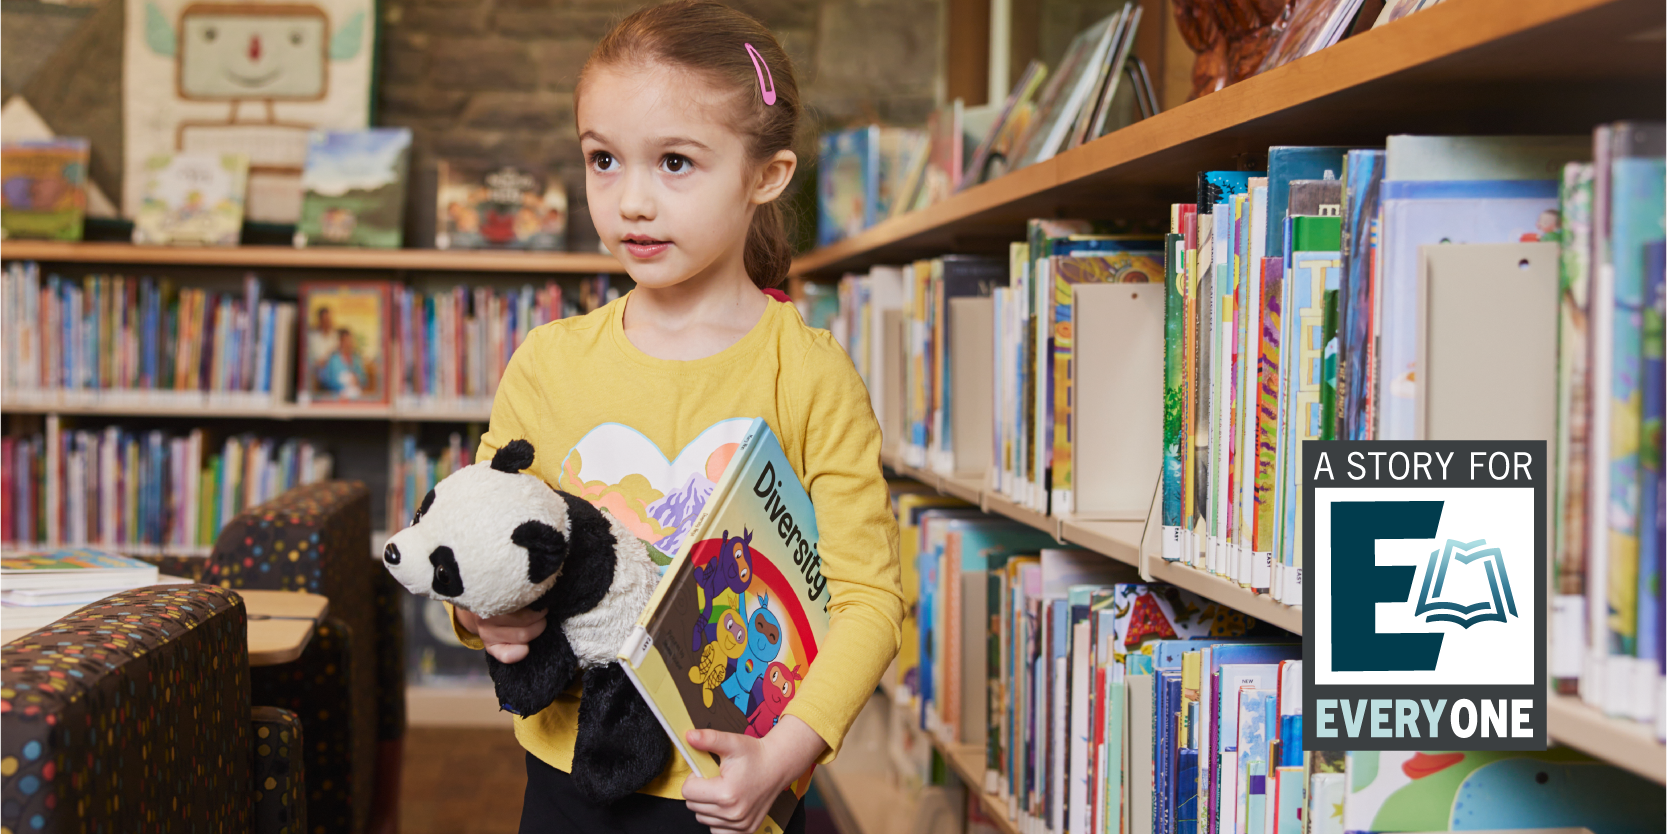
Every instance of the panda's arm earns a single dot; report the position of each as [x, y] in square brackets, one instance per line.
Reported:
[589, 568]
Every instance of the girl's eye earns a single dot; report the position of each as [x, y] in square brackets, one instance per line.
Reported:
[676, 164]
[602, 161]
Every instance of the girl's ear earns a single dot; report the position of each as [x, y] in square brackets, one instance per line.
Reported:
[773, 176]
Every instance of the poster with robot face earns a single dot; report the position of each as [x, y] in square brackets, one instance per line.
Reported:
[243, 77]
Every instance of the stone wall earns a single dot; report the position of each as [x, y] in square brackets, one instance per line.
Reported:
[494, 78]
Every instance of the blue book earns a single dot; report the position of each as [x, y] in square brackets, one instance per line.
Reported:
[1363, 177]
[1218, 186]
[1295, 162]
[1167, 698]
[1636, 218]
[1470, 189]
[1650, 463]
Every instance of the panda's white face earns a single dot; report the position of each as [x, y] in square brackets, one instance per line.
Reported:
[481, 541]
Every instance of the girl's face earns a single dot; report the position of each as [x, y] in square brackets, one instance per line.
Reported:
[668, 182]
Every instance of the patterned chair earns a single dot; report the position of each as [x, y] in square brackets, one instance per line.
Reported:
[133, 715]
[348, 687]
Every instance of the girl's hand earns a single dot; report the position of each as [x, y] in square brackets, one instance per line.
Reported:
[506, 636]
[753, 772]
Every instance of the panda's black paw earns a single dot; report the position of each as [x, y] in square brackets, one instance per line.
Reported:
[527, 686]
[620, 746]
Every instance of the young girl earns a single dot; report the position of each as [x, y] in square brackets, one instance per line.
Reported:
[686, 113]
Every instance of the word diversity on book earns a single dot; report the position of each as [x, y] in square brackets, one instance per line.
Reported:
[1426, 290]
[144, 492]
[1104, 703]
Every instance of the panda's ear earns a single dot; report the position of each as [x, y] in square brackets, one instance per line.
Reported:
[515, 456]
[546, 548]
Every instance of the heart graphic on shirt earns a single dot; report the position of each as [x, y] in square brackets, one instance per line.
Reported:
[617, 468]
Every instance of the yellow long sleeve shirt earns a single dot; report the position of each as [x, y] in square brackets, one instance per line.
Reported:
[628, 430]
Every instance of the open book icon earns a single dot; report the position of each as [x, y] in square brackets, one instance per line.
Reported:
[1469, 555]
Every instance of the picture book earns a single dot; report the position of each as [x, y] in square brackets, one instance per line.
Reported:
[900, 147]
[499, 206]
[990, 159]
[847, 183]
[946, 146]
[43, 189]
[733, 626]
[1314, 25]
[192, 198]
[73, 568]
[354, 188]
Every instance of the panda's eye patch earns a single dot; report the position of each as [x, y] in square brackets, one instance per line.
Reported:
[447, 581]
[428, 501]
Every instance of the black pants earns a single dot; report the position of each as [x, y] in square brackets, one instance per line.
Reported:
[553, 805]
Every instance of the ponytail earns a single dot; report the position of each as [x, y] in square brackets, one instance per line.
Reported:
[768, 254]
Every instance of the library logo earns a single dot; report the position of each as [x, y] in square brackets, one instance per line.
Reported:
[1424, 595]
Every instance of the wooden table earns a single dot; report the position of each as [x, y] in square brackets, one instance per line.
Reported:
[281, 623]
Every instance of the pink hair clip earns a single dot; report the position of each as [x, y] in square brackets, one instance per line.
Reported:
[762, 70]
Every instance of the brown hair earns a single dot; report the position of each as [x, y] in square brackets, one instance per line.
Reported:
[707, 37]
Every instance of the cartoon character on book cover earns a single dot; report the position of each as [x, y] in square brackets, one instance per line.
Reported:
[735, 625]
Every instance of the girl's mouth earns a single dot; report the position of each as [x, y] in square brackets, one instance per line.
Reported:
[644, 247]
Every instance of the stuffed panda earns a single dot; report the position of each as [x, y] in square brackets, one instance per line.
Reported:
[495, 539]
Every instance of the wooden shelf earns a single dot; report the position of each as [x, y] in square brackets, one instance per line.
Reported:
[281, 257]
[1626, 744]
[1466, 66]
[1117, 540]
[288, 411]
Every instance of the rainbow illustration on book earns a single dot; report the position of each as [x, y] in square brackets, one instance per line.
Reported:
[1497, 599]
[734, 625]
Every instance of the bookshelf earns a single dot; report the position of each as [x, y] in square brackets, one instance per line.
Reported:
[1463, 67]
[1466, 66]
[341, 258]
[286, 412]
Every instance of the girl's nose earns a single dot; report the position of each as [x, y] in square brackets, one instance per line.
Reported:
[636, 195]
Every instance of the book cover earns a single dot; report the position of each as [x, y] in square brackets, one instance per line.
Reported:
[991, 158]
[946, 145]
[1064, 95]
[900, 148]
[192, 198]
[353, 188]
[734, 624]
[1315, 267]
[847, 183]
[499, 206]
[43, 189]
[1364, 171]
[1570, 453]
[77, 567]
[1295, 162]
[1636, 217]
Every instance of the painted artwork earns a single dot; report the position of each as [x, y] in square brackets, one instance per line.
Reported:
[249, 78]
[43, 189]
[1144, 613]
[622, 471]
[191, 199]
[355, 184]
[345, 347]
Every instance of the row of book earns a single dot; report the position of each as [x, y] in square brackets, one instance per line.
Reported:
[113, 335]
[1108, 704]
[1606, 636]
[1353, 294]
[453, 345]
[144, 492]
[119, 340]
[416, 467]
[352, 192]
